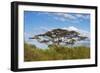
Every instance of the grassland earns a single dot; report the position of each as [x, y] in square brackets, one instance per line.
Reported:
[55, 52]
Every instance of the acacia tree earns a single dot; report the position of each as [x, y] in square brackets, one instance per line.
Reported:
[58, 36]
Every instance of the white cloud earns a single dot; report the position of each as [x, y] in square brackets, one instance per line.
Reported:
[85, 33]
[69, 16]
[39, 13]
[60, 18]
[79, 15]
[82, 32]
[65, 15]
[83, 16]
[27, 34]
[72, 28]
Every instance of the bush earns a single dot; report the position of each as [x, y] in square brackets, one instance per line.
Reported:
[55, 52]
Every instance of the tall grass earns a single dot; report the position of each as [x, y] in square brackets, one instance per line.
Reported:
[55, 52]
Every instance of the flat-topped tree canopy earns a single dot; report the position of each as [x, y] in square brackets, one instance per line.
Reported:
[55, 36]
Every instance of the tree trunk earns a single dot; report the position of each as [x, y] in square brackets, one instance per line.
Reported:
[58, 41]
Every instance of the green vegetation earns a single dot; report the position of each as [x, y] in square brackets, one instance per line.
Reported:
[55, 52]
[58, 36]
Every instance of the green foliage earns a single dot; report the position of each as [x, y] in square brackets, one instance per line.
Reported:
[55, 37]
[55, 52]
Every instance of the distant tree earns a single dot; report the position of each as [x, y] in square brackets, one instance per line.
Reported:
[58, 36]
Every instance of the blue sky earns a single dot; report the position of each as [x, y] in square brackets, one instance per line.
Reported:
[40, 22]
